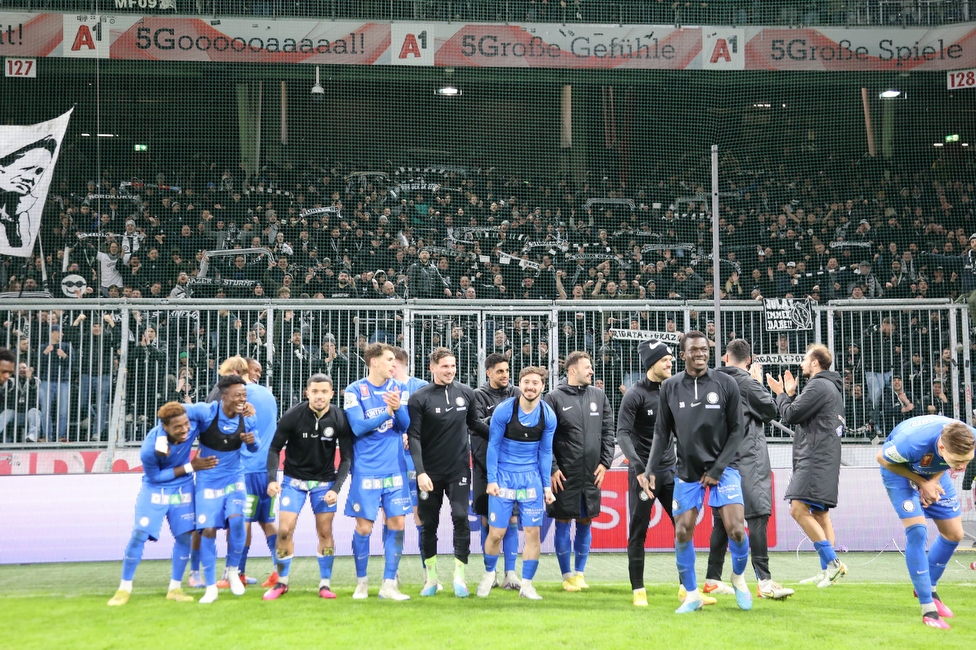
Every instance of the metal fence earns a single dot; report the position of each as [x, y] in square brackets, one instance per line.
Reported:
[95, 373]
[725, 12]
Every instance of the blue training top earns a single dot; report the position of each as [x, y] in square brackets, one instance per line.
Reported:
[516, 456]
[266, 419]
[229, 467]
[915, 441]
[377, 447]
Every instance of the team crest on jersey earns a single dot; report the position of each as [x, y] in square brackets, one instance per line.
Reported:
[459, 401]
[643, 496]
[681, 405]
[650, 411]
[908, 505]
[349, 400]
[364, 390]
[285, 501]
[492, 516]
[356, 507]
[423, 495]
[144, 521]
[328, 433]
[712, 398]
[593, 406]
[202, 519]
[437, 410]
[926, 460]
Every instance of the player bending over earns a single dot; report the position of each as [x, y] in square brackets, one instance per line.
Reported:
[167, 492]
[913, 462]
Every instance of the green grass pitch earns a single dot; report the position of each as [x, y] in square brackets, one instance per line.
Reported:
[63, 605]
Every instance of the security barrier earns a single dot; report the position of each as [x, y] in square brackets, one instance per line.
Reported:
[95, 372]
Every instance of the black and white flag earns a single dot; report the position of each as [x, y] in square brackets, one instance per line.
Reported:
[28, 155]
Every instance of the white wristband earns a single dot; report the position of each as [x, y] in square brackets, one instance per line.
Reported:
[188, 468]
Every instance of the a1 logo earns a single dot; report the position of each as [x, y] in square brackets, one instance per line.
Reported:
[723, 49]
[411, 44]
[87, 36]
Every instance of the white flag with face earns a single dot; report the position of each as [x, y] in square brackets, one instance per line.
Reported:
[28, 155]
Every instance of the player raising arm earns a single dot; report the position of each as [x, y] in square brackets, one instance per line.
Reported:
[913, 462]
[310, 433]
[167, 492]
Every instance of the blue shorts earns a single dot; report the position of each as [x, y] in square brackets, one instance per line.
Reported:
[904, 498]
[692, 495]
[368, 493]
[258, 506]
[156, 503]
[295, 491]
[523, 488]
[412, 480]
[216, 504]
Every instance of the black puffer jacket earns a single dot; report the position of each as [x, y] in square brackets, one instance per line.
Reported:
[817, 415]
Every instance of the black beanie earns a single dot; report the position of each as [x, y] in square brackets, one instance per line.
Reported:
[651, 351]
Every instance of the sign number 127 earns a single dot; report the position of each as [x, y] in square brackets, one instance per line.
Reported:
[25, 68]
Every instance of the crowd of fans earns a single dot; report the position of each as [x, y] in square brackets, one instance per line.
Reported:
[455, 233]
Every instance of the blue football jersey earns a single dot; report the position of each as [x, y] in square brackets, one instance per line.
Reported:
[266, 423]
[157, 470]
[914, 442]
[377, 448]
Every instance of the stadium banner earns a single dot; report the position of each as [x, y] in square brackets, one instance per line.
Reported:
[96, 512]
[260, 40]
[28, 155]
[788, 314]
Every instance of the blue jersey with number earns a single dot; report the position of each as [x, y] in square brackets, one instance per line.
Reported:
[230, 467]
[266, 423]
[915, 443]
[517, 456]
[158, 470]
[377, 448]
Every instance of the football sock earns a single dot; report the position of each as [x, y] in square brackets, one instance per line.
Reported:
[393, 547]
[125, 585]
[740, 554]
[360, 550]
[826, 551]
[326, 560]
[194, 559]
[684, 553]
[458, 570]
[431, 564]
[584, 536]
[563, 548]
[283, 566]
[484, 537]
[491, 561]
[243, 563]
[939, 555]
[510, 545]
[175, 584]
[272, 541]
[529, 568]
[208, 559]
[918, 564]
[235, 541]
[181, 555]
[133, 554]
